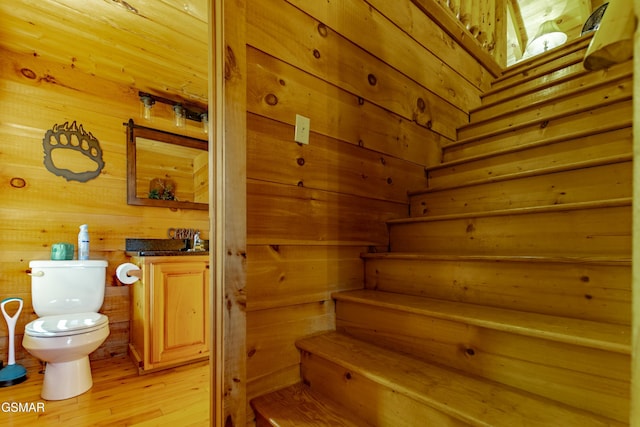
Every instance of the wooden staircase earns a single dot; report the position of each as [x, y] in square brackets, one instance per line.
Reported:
[505, 299]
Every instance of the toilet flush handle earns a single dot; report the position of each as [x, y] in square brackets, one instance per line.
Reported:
[36, 274]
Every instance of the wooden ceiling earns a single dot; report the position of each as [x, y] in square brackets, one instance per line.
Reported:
[133, 42]
[142, 42]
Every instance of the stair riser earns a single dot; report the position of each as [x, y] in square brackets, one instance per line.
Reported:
[510, 89]
[616, 90]
[543, 66]
[578, 290]
[590, 379]
[611, 181]
[562, 154]
[374, 402]
[579, 84]
[587, 232]
[613, 116]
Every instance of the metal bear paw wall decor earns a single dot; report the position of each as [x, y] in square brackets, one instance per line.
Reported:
[64, 142]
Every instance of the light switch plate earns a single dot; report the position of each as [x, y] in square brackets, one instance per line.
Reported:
[302, 129]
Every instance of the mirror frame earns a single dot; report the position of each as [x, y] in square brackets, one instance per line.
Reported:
[134, 131]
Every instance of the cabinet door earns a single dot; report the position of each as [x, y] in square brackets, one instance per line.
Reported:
[180, 311]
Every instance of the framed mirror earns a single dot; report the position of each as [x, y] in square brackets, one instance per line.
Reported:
[166, 169]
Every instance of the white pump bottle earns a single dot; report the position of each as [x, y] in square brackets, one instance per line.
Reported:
[83, 242]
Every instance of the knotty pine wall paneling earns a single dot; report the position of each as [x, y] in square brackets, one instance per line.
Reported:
[375, 83]
[40, 208]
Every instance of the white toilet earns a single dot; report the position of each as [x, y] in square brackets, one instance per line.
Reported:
[67, 296]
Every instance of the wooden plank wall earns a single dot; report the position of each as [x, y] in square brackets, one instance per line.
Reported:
[635, 343]
[40, 208]
[384, 88]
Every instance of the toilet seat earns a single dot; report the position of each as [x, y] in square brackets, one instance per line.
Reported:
[61, 325]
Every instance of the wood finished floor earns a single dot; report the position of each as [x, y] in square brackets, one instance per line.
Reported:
[119, 397]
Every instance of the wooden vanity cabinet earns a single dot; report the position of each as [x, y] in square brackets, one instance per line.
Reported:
[170, 311]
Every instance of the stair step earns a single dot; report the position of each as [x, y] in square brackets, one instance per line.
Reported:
[581, 83]
[456, 192]
[552, 74]
[602, 336]
[609, 92]
[597, 289]
[299, 405]
[543, 131]
[573, 229]
[541, 65]
[589, 368]
[388, 388]
[592, 150]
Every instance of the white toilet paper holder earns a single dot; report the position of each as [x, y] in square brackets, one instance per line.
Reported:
[128, 273]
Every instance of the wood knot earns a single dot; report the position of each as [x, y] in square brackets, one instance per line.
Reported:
[322, 30]
[30, 74]
[421, 104]
[316, 53]
[271, 99]
[373, 80]
[18, 182]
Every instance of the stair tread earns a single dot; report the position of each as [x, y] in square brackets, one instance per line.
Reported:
[624, 201]
[613, 260]
[572, 132]
[527, 68]
[552, 89]
[299, 405]
[610, 337]
[524, 86]
[537, 115]
[470, 399]
[543, 170]
[578, 164]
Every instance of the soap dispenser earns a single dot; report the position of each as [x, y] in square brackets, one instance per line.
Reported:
[83, 242]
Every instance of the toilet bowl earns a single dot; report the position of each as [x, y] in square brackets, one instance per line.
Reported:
[64, 343]
[67, 296]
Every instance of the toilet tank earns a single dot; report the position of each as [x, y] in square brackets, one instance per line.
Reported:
[74, 286]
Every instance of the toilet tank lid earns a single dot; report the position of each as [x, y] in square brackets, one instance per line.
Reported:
[88, 263]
